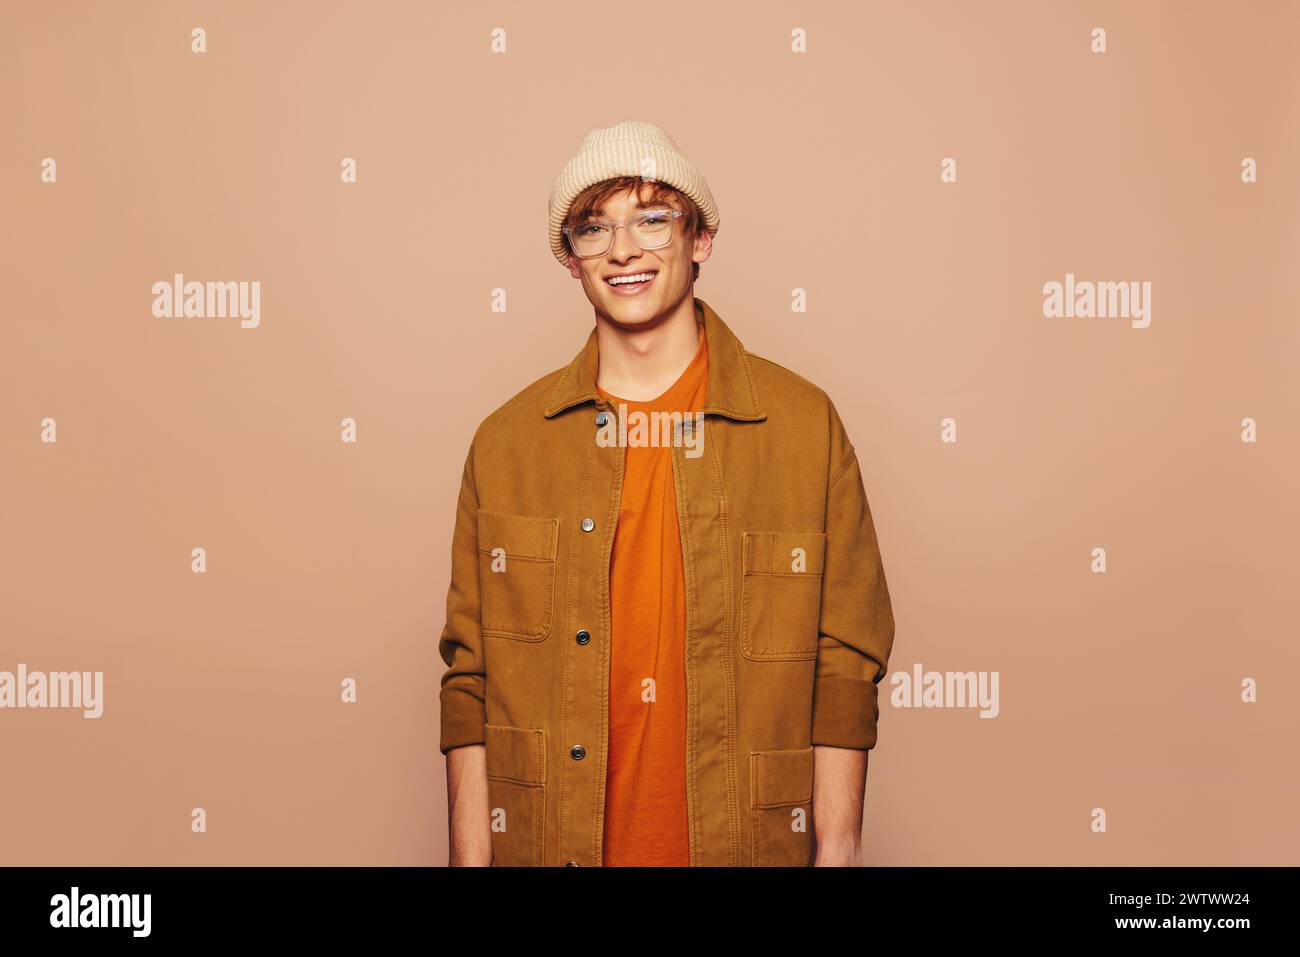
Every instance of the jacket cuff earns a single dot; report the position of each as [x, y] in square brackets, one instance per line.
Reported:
[463, 717]
[845, 712]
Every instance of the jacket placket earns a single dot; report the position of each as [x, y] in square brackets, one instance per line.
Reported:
[585, 717]
[710, 666]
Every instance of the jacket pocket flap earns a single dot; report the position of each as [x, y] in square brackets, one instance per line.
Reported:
[522, 536]
[779, 778]
[783, 553]
[515, 754]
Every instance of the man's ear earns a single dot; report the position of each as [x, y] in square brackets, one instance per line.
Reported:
[574, 269]
[703, 247]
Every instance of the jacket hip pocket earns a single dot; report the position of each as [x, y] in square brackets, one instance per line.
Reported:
[780, 788]
[517, 562]
[781, 594]
[516, 776]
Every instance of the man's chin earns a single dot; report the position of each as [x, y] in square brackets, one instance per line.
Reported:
[631, 314]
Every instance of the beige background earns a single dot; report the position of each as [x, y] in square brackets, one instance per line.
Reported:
[328, 560]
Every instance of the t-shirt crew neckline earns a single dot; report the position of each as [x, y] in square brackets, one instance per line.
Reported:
[680, 389]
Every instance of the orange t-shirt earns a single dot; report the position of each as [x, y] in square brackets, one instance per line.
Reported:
[645, 791]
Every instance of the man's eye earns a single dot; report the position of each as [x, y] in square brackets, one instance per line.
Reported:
[589, 229]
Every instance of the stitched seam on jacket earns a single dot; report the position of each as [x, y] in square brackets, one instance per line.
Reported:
[548, 617]
[539, 804]
[728, 663]
[760, 649]
[685, 537]
[469, 472]
[539, 827]
[561, 830]
[843, 468]
[570, 371]
[606, 554]
[749, 374]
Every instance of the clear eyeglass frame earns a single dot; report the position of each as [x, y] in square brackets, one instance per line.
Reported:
[626, 223]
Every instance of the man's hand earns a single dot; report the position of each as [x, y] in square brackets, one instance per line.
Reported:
[839, 786]
[469, 821]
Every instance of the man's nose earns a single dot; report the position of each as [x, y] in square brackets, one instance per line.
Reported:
[622, 245]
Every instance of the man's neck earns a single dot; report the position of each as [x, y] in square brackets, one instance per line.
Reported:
[642, 363]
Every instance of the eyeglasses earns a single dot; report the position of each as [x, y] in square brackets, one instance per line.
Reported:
[652, 229]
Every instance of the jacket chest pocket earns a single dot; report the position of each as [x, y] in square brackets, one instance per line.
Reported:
[781, 595]
[517, 562]
[780, 807]
[516, 778]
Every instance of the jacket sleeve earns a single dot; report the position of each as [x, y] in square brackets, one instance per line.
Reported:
[464, 684]
[857, 618]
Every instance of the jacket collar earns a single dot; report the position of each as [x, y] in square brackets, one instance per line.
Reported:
[732, 390]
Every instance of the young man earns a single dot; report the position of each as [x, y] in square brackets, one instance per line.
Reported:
[668, 615]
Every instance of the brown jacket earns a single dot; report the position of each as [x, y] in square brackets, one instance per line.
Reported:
[788, 618]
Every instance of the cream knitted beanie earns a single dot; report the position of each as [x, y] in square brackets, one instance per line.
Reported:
[629, 148]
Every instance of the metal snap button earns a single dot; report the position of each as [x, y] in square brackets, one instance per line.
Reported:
[578, 752]
[572, 864]
[583, 636]
[588, 524]
[601, 419]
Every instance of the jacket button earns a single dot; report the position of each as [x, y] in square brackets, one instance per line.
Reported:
[601, 419]
[572, 864]
[578, 752]
[583, 636]
[588, 524]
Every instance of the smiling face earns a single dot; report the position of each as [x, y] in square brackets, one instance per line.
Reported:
[660, 278]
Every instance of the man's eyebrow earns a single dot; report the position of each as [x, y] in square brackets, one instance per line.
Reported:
[653, 204]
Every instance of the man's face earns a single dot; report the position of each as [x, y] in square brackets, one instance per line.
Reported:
[639, 303]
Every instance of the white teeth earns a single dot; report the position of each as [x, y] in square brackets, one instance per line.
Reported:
[639, 277]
